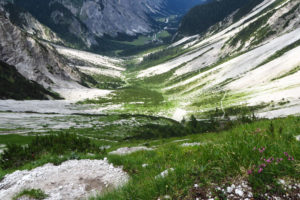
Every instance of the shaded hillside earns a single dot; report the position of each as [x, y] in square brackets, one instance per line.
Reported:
[202, 17]
[14, 86]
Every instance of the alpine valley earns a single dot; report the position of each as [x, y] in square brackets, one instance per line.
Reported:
[149, 99]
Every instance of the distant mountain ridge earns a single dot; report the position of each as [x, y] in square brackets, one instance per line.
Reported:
[83, 23]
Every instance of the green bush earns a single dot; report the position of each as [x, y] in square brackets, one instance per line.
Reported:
[17, 155]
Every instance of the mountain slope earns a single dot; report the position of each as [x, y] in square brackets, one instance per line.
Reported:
[201, 75]
[202, 17]
[14, 86]
[39, 62]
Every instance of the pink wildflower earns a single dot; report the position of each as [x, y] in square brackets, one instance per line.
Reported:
[254, 148]
[249, 171]
[268, 161]
[262, 150]
[260, 170]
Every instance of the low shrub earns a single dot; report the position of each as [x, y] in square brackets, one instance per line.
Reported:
[17, 155]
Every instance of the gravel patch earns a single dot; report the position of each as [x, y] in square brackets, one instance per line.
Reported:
[243, 190]
[74, 179]
[175, 141]
[129, 150]
[191, 144]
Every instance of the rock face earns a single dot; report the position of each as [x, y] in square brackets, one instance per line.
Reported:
[33, 59]
[26, 22]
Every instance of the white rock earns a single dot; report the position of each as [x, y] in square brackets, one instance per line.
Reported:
[239, 192]
[229, 189]
[145, 165]
[191, 144]
[250, 194]
[129, 150]
[70, 180]
[164, 173]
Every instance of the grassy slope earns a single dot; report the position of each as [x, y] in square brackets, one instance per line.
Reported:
[223, 158]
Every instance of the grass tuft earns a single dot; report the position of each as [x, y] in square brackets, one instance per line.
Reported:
[36, 194]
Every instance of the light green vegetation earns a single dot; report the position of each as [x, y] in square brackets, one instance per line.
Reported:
[135, 100]
[107, 82]
[33, 193]
[291, 72]
[141, 40]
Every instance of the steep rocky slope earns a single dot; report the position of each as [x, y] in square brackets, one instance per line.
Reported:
[14, 86]
[35, 60]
